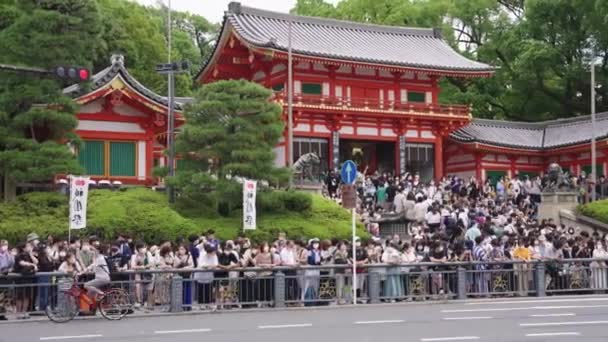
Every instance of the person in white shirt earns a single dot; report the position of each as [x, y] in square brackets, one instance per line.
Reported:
[433, 219]
[399, 202]
[421, 208]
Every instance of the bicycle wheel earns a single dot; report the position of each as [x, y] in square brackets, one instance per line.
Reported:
[115, 304]
[61, 307]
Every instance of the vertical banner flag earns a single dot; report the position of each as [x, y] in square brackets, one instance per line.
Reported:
[249, 212]
[79, 191]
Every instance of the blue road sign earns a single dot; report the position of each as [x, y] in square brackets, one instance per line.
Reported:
[348, 172]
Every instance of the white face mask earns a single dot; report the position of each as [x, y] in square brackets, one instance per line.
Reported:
[315, 245]
[4, 249]
[62, 254]
[358, 244]
[143, 251]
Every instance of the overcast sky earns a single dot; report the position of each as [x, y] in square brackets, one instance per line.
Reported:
[213, 10]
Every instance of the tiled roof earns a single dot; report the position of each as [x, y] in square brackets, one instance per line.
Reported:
[336, 39]
[533, 136]
[117, 68]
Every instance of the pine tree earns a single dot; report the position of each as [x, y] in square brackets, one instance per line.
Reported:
[231, 129]
[36, 120]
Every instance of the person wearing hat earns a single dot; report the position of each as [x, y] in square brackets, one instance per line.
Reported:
[33, 239]
[312, 277]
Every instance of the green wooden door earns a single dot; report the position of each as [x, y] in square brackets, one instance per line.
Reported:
[122, 159]
[599, 169]
[91, 157]
[523, 174]
[494, 176]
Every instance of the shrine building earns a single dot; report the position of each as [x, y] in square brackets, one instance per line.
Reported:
[364, 92]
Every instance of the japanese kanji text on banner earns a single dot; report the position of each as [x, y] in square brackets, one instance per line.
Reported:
[249, 212]
[79, 191]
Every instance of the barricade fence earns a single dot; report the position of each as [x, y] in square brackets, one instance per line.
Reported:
[206, 289]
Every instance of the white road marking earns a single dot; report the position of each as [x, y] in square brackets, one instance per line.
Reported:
[553, 324]
[526, 308]
[303, 325]
[466, 318]
[380, 322]
[461, 338]
[51, 338]
[553, 334]
[554, 315]
[185, 331]
[540, 301]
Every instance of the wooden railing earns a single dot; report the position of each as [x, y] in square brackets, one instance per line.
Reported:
[374, 104]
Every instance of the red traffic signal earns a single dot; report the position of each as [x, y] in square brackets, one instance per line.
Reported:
[71, 73]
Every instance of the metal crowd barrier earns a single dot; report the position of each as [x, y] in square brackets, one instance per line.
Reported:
[199, 289]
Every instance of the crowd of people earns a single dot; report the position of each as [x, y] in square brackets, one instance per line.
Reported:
[452, 220]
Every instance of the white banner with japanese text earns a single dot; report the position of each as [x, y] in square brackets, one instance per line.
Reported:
[79, 191]
[249, 212]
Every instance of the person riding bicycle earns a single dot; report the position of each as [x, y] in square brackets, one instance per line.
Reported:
[99, 267]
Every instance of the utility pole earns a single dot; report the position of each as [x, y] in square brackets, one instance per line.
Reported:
[593, 151]
[289, 101]
[171, 113]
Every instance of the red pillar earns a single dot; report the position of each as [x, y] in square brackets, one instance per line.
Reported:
[438, 157]
[478, 166]
[149, 160]
[512, 167]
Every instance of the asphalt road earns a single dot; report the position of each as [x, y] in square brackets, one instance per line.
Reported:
[551, 319]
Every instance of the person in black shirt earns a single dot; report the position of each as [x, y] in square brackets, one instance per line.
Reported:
[227, 260]
[26, 265]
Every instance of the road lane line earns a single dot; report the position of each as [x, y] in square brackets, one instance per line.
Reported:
[466, 318]
[526, 308]
[185, 331]
[380, 322]
[554, 315]
[51, 338]
[571, 333]
[539, 301]
[461, 338]
[554, 324]
[303, 325]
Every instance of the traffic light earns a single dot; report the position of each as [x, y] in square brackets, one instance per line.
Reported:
[72, 73]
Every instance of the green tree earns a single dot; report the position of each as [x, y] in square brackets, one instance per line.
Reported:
[231, 129]
[541, 48]
[36, 120]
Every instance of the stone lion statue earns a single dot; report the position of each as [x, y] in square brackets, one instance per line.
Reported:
[305, 165]
[556, 179]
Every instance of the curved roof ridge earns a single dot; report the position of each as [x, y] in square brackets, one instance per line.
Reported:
[105, 76]
[236, 8]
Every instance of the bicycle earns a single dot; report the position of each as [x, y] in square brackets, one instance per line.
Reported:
[63, 306]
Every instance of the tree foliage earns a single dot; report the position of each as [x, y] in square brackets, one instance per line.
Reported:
[35, 118]
[231, 129]
[542, 49]
[140, 34]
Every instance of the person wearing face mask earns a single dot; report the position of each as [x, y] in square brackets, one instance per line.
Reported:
[27, 265]
[598, 268]
[481, 278]
[341, 257]
[312, 277]
[361, 259]
[227, 260]
[141, 261]
[265, 259]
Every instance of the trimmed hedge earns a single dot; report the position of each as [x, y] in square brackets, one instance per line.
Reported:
[146, 215]
[597, 210]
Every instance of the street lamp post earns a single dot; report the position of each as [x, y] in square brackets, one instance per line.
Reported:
[289, 101]
[593, 151]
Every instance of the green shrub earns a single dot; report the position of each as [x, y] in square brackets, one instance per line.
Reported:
[296, 201]
[146, 215]
[597, 210]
